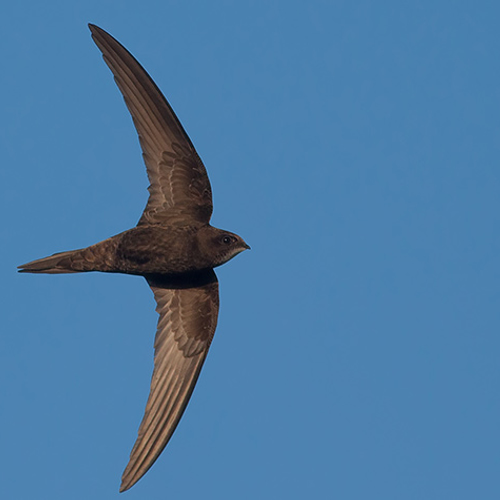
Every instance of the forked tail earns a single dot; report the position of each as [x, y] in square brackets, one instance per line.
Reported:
[98, 257]
[63, 262]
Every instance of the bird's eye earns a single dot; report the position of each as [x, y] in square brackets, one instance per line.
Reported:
[226, 240]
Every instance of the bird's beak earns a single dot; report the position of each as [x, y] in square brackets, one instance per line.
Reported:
[247, 247]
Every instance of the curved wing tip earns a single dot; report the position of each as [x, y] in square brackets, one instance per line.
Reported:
[124, 487]
[127, 483]
[96, 31]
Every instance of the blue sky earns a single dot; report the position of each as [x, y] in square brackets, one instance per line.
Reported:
[355, 146]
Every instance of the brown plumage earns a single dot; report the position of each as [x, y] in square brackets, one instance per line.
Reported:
[173, 246]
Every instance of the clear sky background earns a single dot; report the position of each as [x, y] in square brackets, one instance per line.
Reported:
[355, 145]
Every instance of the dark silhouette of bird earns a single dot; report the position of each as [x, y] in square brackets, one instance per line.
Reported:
[173, 246]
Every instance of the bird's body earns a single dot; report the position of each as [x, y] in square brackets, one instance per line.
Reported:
[145, 250]
[173, 246]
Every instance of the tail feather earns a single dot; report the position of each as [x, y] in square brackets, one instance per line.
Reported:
[59, 263]
[98, 257]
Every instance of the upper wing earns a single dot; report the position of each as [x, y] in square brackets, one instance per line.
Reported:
[188, 316]
[179, 187]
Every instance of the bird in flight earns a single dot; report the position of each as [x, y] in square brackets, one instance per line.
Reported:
[173, 246]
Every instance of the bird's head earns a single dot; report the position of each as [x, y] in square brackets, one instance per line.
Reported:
[221, 246]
